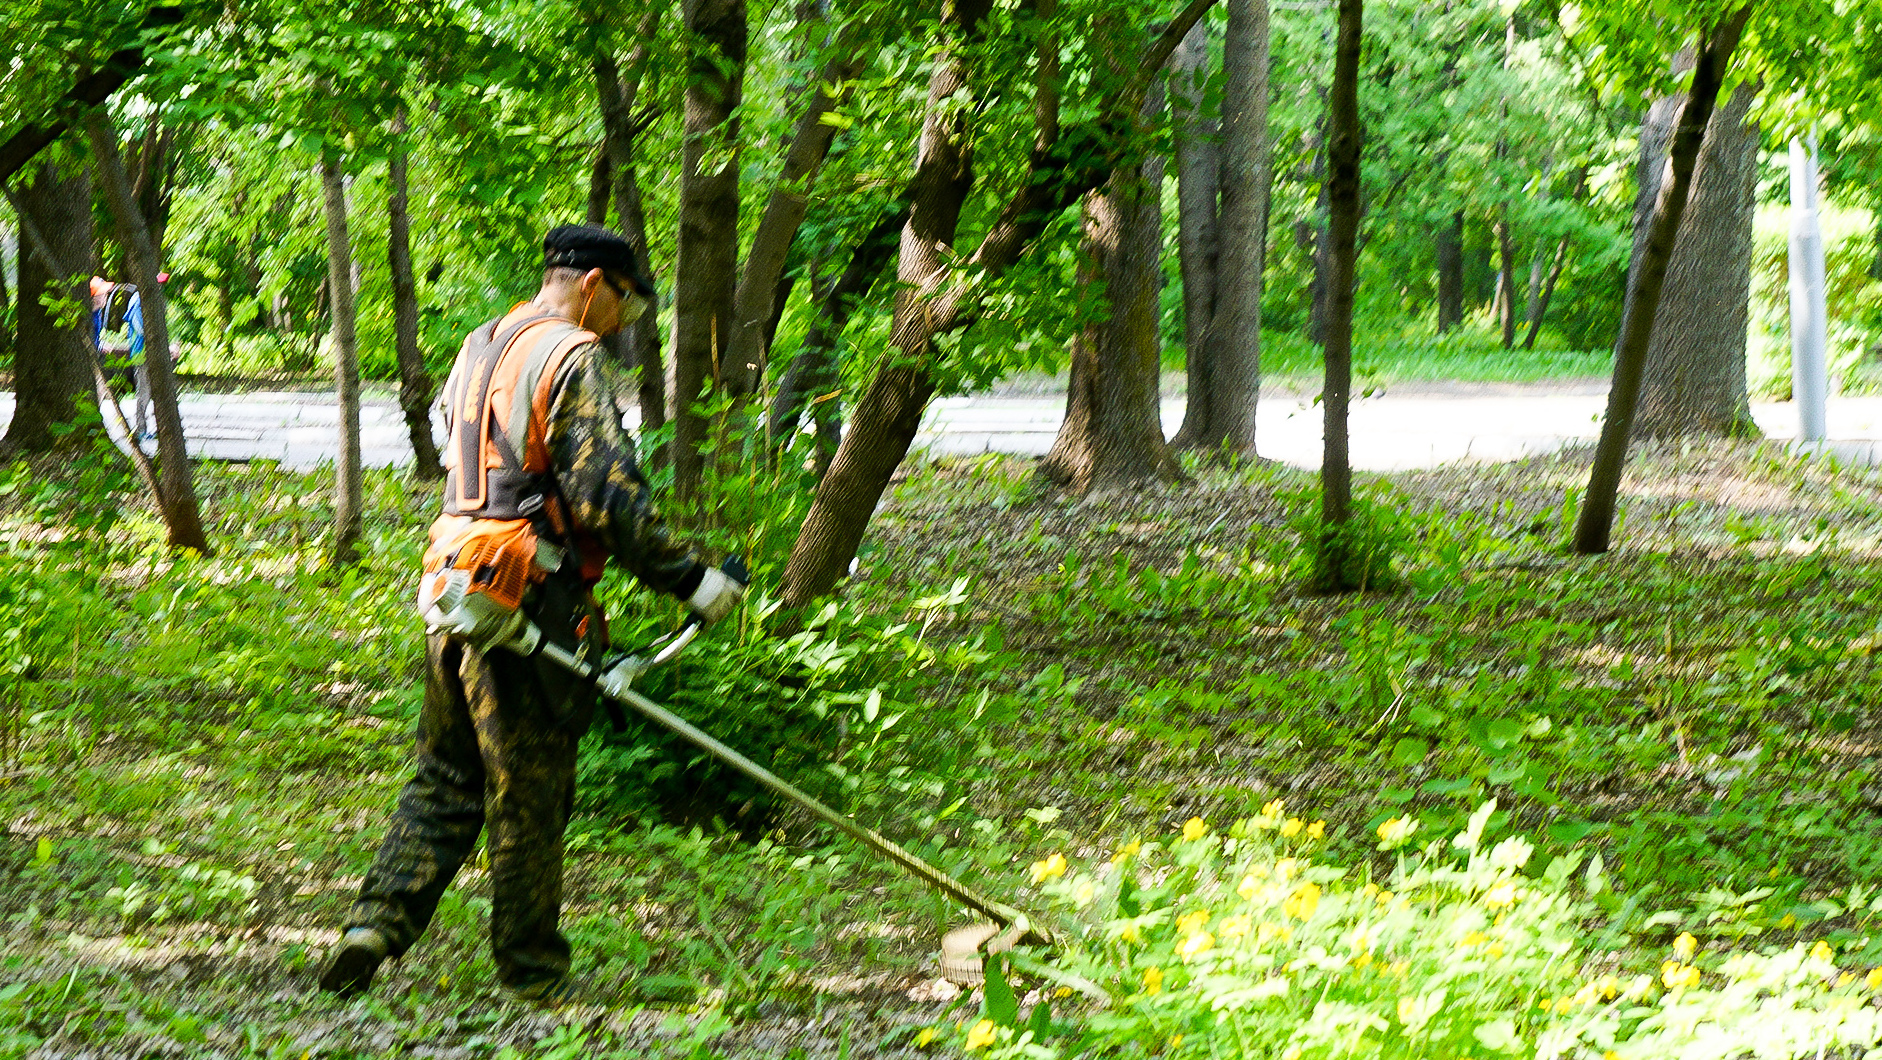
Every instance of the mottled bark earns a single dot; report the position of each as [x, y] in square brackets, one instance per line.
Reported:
[344, 548]
[182, 517]
[1505, 278]
[1111, 437]
[51, 364]
[414, 381]
[1595, 523]
[1221, 412]
[706, 269]
[1198, 183]
[1695, 373]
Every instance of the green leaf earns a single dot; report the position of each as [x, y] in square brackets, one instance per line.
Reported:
[1040, 1022]
[1410, 751]
[998, 1003]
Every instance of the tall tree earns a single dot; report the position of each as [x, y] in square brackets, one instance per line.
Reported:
[1343, 187]
[1450, 253]
[1594, 525]
[1694, 381]
[933, 300]
[706, 270]
[51, 364]
[1112, 436]
[1225, 358]
[414, 381]
[345, 341]
[182, 518]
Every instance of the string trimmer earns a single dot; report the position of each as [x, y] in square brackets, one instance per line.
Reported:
[613, 677]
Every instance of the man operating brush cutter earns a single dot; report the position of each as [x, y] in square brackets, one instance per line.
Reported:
[542, 490]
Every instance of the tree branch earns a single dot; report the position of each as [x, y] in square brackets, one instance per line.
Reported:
[89, 91]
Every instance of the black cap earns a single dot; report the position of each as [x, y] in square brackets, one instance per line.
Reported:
[587, 247]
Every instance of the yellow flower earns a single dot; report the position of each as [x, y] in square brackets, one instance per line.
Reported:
[1176, 1041]
[1194, 828]
[1292, 828]
[1610, 1055]
[1064, 991]
[1494, 950]
[1786, 922]
[1125, 852]
[1475, 938]
[1190, 923]
[1317, 830]
[1362, 960]
[1685, 946]
[981, 1035]
[1369, 890]
[1407, 1008]
[1845, 979]
[1248, 887]
[1196, 945]
[1049, 869]
[925, 1037]
[1546, 1005]
[1274, 808]
[1285, 868]
[1234, 927]
[1397, 831]
[1822, 951]
[1502, 896]
[1153, 980]
[1675, 975]
[1084, 894]
[1385, 897]
[1874, 979]
[1301, 904]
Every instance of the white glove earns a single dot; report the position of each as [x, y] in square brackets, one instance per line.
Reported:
[717, 595]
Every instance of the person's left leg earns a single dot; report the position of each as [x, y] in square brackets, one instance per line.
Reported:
[530, 716]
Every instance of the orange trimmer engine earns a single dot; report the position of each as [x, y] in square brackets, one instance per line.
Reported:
[476, 572]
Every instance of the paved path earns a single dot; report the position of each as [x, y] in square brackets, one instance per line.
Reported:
[1412, 428]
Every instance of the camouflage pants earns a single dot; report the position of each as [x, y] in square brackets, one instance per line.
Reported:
[496, 748]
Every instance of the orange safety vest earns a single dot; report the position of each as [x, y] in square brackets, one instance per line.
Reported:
[498, 481]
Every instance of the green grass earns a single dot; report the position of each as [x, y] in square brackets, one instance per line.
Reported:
[199, 753]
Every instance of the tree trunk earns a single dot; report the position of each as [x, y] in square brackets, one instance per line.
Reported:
[1450, 244]
[1111, 437]
[639, 343]
[182, 518]
[930, 302]
[890, 411]
[1594, 525]
[756, 300]
[1506, 279]
[600, 187]
[346, 480]
[1232, 339]
[1343, 157]
[1198, 183]
[51, 364]
[1540, 309]
[706, 272]
[414, 380]
[1695, 375]
[816, 369]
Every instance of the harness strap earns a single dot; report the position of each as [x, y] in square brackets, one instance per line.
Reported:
[523, 400]
[480, 365]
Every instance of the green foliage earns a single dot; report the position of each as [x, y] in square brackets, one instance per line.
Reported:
[1356, 554]
[1210, 943]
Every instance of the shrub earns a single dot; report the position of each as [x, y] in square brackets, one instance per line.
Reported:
[1243, 944]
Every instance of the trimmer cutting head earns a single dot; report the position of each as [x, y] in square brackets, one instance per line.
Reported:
[964, 950]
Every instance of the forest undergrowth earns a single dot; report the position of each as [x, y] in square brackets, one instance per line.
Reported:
[198, 754]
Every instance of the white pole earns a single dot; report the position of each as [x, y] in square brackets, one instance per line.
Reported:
[1810, 384]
